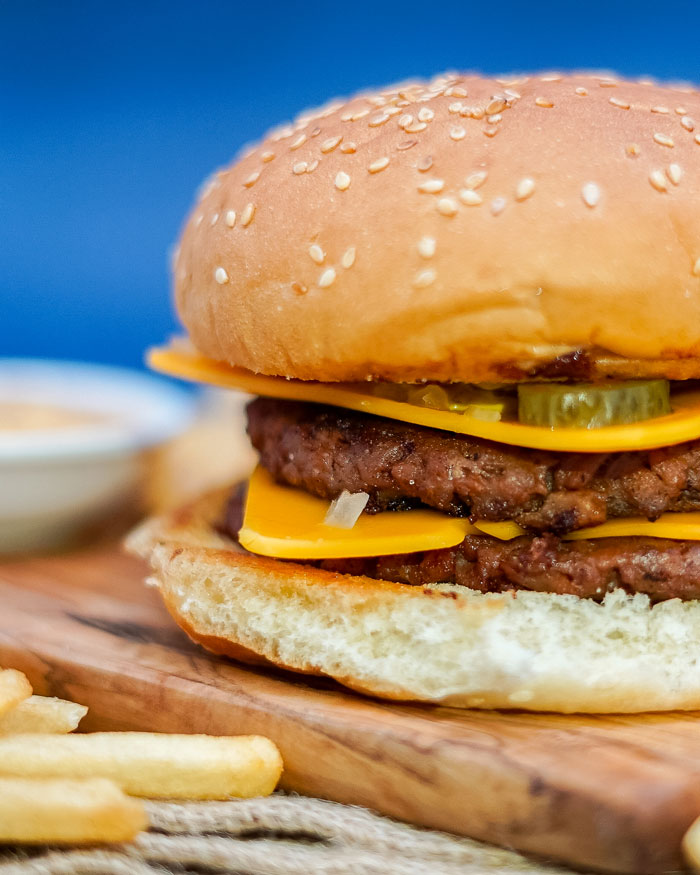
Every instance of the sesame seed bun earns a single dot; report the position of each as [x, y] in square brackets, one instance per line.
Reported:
[464, 229]
[443, 643]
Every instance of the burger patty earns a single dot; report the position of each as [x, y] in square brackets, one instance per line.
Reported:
[660, 568]
[325, 450]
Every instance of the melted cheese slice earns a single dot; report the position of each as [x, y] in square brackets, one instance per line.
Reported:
[682, 424]
[676, 526]
[288, 523]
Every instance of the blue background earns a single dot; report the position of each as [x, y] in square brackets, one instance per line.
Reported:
[111, 114]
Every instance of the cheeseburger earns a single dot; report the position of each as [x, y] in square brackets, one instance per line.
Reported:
[470, 312]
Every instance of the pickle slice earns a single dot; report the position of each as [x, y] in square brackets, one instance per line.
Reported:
[590, 405]
[456, 397]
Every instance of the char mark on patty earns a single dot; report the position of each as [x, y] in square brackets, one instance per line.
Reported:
[325, 450]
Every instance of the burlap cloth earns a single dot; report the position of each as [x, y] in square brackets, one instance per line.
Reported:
[280, 835]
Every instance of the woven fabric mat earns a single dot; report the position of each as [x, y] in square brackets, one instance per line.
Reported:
[279, 835]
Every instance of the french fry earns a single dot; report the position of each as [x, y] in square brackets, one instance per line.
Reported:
[150, 764]
[14, 688]
[67, 811]
[691, 845]
[42, 714]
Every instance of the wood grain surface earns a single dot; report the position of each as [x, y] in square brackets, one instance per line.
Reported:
[614, 793]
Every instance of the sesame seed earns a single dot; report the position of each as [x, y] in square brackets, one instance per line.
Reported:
[663, 140]
[425, 114]
[674, 173]
[524, 189]
[378, 120]
[633, 150]
[425, 163]
[342, 181]
[662, 110]
[497, 205]
[424, 278]
[316, 131]
[658, 180]
[348, 148]
[455, 107]
[231, 218]
[346, 117]
[447, 206]
[697, 139]
[214, 219]
[582, 92]
[475, 180]
[513, 95]
[457, 133]
[314, 164]
[300, 140]
[590, 194]
[490, 132]
[543, 101]
[688, 123]
[494, 119]
[622, 104]
[431, 186]
[330, 144]
[469, 197]
[407, 144]
[426, 247]
[348, 258]
[247, 215]
[457, 91]
[220, 276]
[252, 179]
[198, 220]
[300, 167]
[415, 128]
[473, 112]
[378, 165]
[554, 77]
[696, 268]
[299, 288]
[267, 156]
[607, 83]
[681, 110]
[317, 253]
[405, 120]
[282, 133]
[363, 113]
[392, 110]
[496, 105]
[327, 278]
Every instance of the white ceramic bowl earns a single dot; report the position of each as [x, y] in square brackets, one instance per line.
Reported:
[53, 481]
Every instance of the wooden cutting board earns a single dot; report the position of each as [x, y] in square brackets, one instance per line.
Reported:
[616, 793]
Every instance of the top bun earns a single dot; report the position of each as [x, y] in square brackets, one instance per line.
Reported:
[465, 229]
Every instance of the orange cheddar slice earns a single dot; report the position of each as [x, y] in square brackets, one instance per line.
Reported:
[681, 425]
[288, 523]
[676, 526]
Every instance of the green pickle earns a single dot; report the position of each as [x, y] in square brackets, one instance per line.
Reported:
[468, 400]
[590, 405]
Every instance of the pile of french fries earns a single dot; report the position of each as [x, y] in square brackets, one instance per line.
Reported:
[56, 787]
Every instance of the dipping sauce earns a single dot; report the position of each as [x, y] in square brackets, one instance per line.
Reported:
[22, 416]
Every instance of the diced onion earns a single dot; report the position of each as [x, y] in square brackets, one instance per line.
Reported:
[346, 509]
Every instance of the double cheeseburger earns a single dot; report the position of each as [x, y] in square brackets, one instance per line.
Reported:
[470, 310]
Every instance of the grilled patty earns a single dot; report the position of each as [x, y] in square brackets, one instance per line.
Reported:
[325, 450]
[661, 568]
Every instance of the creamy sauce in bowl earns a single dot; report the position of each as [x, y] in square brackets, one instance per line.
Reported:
[28, 416]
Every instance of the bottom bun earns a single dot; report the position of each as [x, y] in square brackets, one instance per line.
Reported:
[442, 643]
